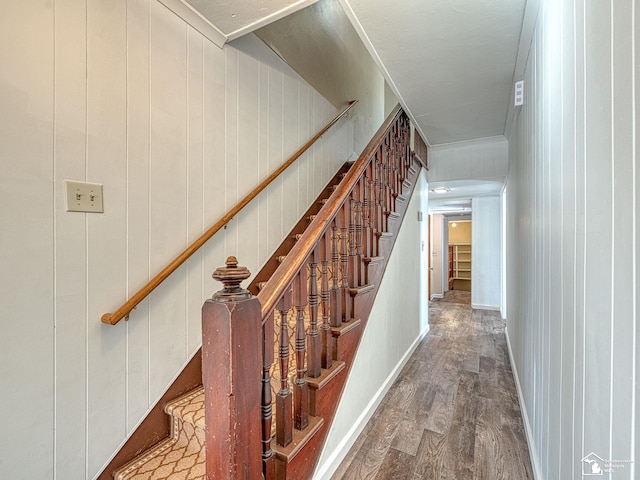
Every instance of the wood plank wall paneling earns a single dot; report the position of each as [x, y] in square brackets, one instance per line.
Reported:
[106, 274]
[138, 200]
[572, 217]
[167, 191]
[486, 253]
[26, 152]
[624, 314]
[128, 95]
[195, 184]
[70, 126]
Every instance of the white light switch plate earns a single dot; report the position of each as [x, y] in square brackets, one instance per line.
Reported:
[84, 197]
[519, 94]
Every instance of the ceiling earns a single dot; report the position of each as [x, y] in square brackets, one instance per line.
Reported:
[451, 63]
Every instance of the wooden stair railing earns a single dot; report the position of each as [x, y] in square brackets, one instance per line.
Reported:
[347, 239]
[183, 395]
[125, 309]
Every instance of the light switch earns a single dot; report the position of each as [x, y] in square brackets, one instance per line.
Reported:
[518, 99]
[84, 197]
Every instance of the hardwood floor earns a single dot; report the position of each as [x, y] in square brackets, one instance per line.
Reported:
[452, 413]
[455, 296]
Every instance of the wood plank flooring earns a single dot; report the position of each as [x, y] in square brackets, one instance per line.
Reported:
[453, 412]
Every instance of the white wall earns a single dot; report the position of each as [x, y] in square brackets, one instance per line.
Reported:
[439, 255]
[128, 95]
[398, 321]
[486, 253]
[321, 44]
[475, 159]
[572, 242]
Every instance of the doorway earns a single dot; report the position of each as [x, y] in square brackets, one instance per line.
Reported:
[459, 254]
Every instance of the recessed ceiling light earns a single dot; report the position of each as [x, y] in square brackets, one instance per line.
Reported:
[440, 190]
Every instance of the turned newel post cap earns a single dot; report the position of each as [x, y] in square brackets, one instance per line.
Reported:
[231, 276]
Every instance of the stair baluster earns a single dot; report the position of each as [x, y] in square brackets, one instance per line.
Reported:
[336, 299]
[386, 194]
[373, 249]
[327, 337]
[268, 457]
[344, 268]
[284, 398]
[314, 359]
[300, 385]
[366, 225]
[358, 263]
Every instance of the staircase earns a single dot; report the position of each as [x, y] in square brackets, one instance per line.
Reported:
[316, 293]
[180, 457]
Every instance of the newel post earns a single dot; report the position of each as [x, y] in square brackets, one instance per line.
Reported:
[231, 375]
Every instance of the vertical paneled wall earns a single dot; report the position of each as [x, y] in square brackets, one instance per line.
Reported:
[128, 95]
[572, 245]
[439, 255]
[486, 253]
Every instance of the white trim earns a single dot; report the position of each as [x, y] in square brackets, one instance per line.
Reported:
[197, 21]
[203, 25]
[493, 308]
[437, 295]
[328, 468]
[288, 10]
[533, 452]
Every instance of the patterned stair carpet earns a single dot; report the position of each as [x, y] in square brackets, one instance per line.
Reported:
[182, 456]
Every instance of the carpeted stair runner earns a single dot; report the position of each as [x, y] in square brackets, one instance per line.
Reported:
[182, 455]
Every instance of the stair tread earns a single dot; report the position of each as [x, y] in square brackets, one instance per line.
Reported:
[326, 376]
[189, 408]
[345, 327]
[362, 289]
[181, 457]
[300, 439]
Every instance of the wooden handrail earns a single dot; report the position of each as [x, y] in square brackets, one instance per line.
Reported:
[125, 309]
[286, 272]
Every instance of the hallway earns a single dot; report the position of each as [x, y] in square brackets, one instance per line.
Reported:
[453, 412]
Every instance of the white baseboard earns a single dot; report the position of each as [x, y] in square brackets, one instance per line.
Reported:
[437, 295]
[328, 468]
[479, 306]
[533, 452]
